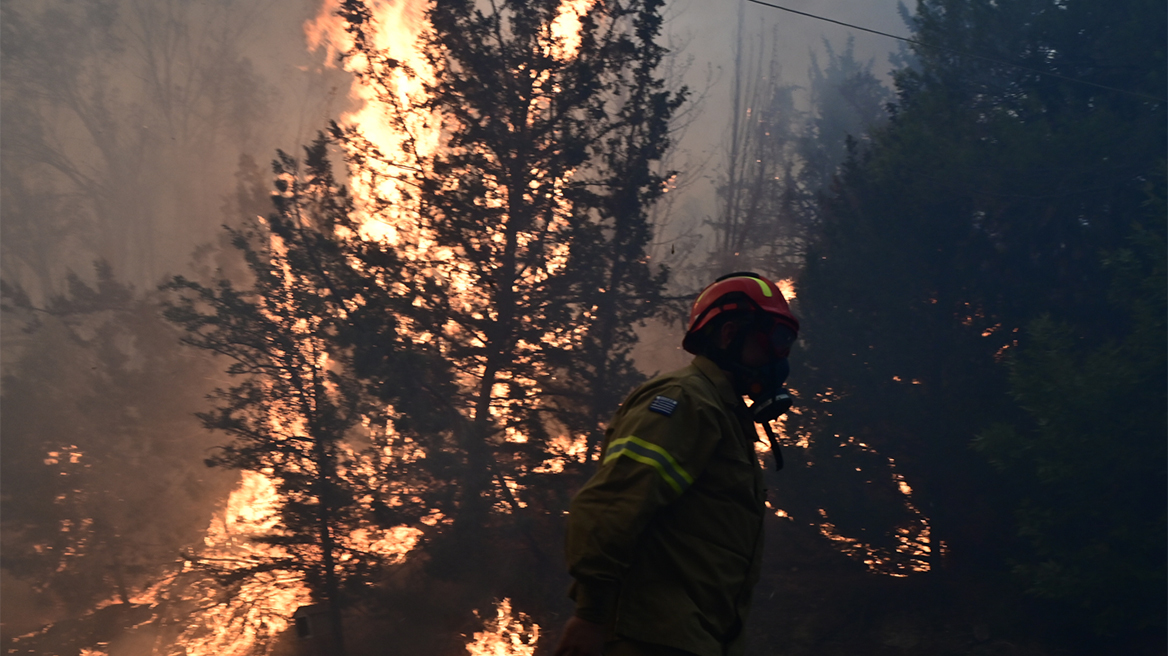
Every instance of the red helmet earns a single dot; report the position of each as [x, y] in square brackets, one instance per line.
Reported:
[738, 291]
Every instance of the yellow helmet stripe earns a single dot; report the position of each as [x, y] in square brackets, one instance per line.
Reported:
[766, 289]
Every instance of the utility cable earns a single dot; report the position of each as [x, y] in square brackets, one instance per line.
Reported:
[960, 52]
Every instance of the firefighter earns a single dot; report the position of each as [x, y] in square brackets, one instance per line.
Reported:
[665, 540]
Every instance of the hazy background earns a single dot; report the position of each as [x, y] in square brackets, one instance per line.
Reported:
[129, 145]
[126, 144]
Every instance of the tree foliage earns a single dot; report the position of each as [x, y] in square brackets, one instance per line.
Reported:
[1096, 413]
[527, 228]
[303, 411]
[514, 261]
[993, 197]
[98, 435]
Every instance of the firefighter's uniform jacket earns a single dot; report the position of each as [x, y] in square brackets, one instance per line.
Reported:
[665, 540]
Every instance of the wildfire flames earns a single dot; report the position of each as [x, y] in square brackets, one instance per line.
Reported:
[261, 607]
[505, 634]
[264, 606]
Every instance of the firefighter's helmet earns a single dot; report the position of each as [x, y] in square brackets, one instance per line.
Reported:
[747, 292]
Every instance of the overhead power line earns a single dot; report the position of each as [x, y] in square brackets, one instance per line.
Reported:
[960, 52]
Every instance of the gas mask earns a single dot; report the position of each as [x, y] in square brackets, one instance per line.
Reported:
[766, 391]
[763, 384]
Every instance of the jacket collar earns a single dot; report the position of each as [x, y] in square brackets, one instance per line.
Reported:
[718, 377]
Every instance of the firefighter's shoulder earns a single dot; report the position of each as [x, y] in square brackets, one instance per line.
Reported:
[669, 424]
[673, 398]
[687, 381]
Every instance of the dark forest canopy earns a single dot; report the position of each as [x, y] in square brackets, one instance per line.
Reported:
[990, 274]
[981, 277]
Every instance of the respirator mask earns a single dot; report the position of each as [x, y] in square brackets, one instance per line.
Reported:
[764, 383]
[769, 399]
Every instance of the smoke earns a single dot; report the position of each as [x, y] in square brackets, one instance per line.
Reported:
[709, 32]
[705, 37]
[132, 129]
[124, 145]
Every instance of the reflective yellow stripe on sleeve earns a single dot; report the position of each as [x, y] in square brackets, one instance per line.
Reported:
[652, 455]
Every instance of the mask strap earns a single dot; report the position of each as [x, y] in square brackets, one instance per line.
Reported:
[774, 440]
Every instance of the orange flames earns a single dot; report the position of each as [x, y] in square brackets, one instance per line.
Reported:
[262, 608]
[387, 117]
[398, 25]
[913, 541]
[505, 634]
[248, 621]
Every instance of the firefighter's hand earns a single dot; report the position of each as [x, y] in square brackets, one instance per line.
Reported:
[582, 638]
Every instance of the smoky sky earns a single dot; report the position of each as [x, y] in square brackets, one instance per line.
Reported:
[151, 210]
[147, 223]
[706, 34]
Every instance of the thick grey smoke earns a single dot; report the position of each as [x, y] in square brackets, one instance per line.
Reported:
[124, 124]
[707, 37]
[128, 126]
[124, 145]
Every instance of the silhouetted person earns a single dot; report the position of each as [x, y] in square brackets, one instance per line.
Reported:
[665, 540]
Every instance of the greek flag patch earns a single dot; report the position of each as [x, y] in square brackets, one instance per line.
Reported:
[663, 405]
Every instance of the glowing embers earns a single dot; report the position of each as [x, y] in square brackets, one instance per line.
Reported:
[198, 616]
[506, 634]
[914, 545]
[564, 449]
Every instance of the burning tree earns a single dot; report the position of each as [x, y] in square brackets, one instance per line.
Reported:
[302, 413]
[614, 287]
[494, 247]
[516, 192]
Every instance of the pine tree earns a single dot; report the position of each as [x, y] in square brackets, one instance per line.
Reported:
[309, 410]
[988, 200]
[1096, 413]
[609, 276]
[527, 226]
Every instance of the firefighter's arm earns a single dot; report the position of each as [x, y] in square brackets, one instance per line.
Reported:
[659, 443]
